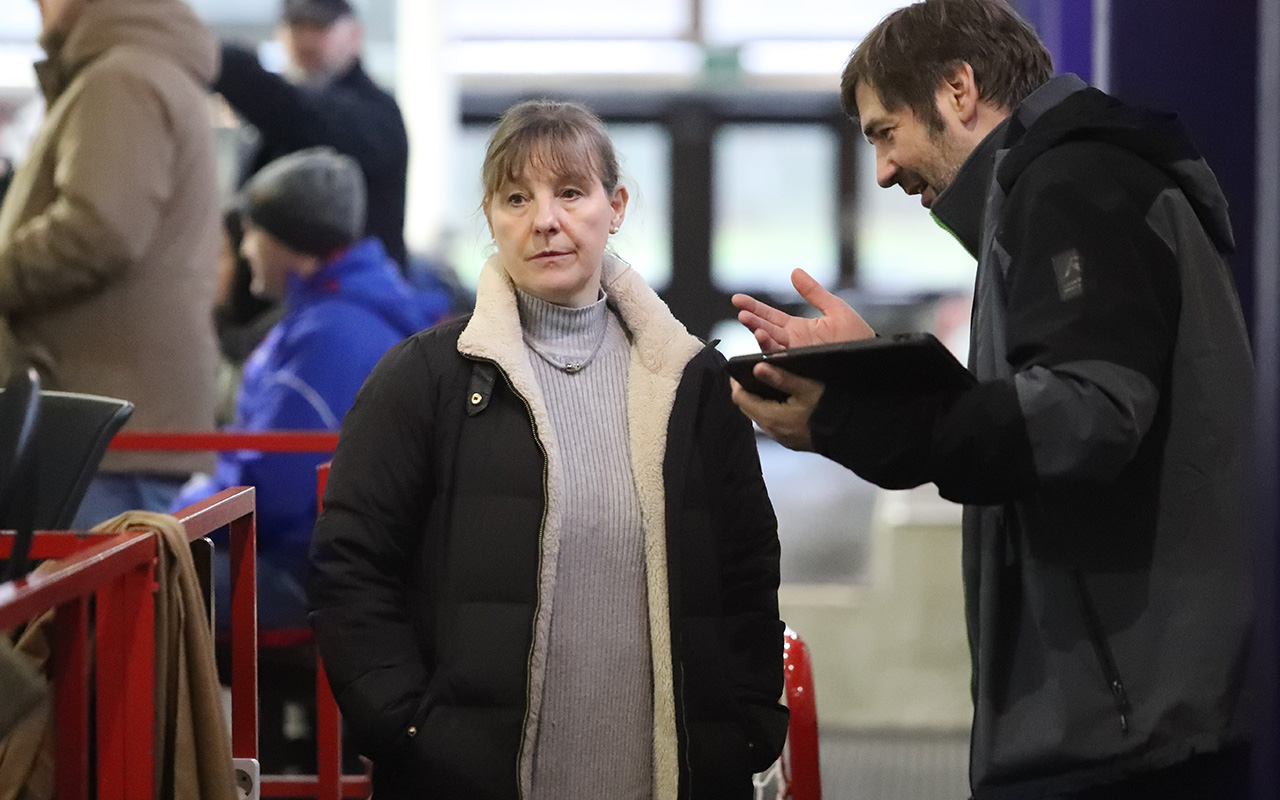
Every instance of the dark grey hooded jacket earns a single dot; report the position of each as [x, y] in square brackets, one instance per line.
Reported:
[1102, 454]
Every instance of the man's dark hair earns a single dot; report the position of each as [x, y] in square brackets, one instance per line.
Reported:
[913, 50]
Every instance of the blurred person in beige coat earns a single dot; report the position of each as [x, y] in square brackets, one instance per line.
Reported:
[109, 234]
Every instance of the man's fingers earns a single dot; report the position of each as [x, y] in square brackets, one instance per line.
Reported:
[767, 343]
[814, 293]
[786, 422]
[770, 336]
[839, 321]
[760, 309]
[794, 385]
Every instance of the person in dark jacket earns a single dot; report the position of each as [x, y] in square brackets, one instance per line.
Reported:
[324, 98]
[1102, 453]
[345, 304]
[547, 565]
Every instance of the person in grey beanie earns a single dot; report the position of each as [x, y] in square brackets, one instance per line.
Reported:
[345, 303]
[312, 201]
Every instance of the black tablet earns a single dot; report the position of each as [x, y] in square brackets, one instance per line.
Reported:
[904, 363]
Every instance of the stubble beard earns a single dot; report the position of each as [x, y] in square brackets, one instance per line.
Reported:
[950, 157]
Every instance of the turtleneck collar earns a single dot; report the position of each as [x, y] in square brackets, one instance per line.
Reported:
[959, 207]
[565, 331]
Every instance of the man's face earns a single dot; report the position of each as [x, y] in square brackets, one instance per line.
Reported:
[909, 153]
[318, 53]
[59, 15]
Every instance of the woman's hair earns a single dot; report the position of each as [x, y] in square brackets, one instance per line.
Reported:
[563, 138]
[913, 50]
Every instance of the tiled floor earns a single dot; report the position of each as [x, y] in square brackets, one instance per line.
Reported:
[861, 765]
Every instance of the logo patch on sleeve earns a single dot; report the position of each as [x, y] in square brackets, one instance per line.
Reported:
[1068, 268]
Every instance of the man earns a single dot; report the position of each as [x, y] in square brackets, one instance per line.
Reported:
[109, 232]
[344, 305]
[328, 99]
[1108, 592]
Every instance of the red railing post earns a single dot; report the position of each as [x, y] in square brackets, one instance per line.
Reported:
[804, 778]
[126, 683]
[244, 639]
[328, 739]
[69, 673]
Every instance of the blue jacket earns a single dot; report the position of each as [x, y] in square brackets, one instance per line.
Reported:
[304, 376]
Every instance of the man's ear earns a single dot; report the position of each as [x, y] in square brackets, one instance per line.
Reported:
[958, 94]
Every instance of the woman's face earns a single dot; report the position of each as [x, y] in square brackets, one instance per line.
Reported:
[551, 232]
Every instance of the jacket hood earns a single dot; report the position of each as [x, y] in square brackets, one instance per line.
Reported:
[166, 27]
[1066, 109]
[364, 275]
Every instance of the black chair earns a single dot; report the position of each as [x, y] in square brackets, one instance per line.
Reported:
[19, 418]
[64, 436]
[71, 439]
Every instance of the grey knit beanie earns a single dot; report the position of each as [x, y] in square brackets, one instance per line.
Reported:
[312, 200]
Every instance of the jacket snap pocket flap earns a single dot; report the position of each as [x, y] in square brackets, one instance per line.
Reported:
[480, 388]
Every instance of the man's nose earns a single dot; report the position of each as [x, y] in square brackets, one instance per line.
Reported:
[886, 172]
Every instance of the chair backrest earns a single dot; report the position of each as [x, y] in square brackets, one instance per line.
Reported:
[72, 437]
[19, 417]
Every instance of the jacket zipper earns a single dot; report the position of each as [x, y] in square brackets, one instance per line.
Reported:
[542, 528]
[1110, 671]
[682, 721]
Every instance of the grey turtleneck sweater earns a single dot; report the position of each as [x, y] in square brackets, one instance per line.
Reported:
[595, 733]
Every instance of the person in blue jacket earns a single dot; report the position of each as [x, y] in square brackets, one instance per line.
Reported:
[345, 304]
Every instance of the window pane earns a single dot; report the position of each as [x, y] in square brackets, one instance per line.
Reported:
[775, 196]
[901, 250]
[520, 19]
[645, 239]
[735, 21]
[644, 152]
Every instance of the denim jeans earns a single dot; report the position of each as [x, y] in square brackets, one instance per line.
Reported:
[112, 494]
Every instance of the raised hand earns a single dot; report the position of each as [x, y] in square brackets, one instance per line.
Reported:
[778, 330]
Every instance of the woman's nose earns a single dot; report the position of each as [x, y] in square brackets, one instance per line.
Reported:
[546, 218]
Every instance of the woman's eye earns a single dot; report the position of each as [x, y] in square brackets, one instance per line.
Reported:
[570, 191]
[515, 199]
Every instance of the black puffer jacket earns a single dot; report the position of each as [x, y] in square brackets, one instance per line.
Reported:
[1101, 457]
[427, 562]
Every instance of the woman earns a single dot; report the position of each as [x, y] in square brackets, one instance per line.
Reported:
[548, 567]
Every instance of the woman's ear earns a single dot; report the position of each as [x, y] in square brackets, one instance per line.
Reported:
[618, 200]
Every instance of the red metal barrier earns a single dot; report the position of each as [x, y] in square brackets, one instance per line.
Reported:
[119, 571]
[268, 441]
[329, 783]
[234, 509]
[801, 775]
